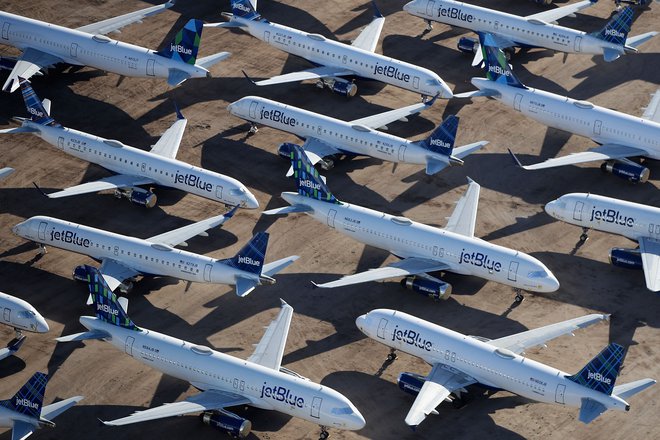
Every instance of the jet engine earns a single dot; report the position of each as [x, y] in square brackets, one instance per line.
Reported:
[543, 2]
[234, 425]
[629, 170]
[626, 258]
[285, 149]
[435, 289]
[467, 44]
[339, 86]
[138, 196]
[411, 383]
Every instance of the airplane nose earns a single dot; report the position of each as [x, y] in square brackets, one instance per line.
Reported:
[408, 6]
[361, 322]
[551, 208]
[446, 92]
[356, 421]
[42, 325]
[251, 201]
[18, 229]
[229, 107]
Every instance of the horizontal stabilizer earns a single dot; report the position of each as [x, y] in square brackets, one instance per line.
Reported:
[288, 210]
[610, 55]
[176, 77]
[93, 334]
[590, 410]
[628, 390]
[638, 40]
[19, 130]
[275, 267]
[476, 93]
[211, 60]
[53, 410]
[6, 172]
[434, 166]
[225, 24]
[461, 152]
[244, 286]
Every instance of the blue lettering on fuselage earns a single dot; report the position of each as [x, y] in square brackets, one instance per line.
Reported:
[479, 259]
[278, 116]
[282, 394]
[455, 13]
[391, 72]
[69, 237]
[411, 337]
[193, 181]
[613, 216]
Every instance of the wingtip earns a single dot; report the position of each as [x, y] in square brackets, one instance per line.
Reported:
[515, 159]
[231, 212]
[178, 113]
[377, 13]
[248, 77]
[432, 101]
[40, 190]
[283, 303]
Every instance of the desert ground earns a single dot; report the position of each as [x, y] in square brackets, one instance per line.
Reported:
[324, 343]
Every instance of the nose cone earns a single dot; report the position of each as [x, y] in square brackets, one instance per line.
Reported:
[355, 421]
[551, 283]
[18, 229]
[250, 201]
[551, 209]
[445, 91]
[42, 325]
[361, 322]
[410, 7]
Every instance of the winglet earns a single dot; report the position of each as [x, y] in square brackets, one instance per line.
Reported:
[432, 101]
[179, 115]
[231, 212]
[248, 78]
[377, 13]
[40, 190]
[515, 159]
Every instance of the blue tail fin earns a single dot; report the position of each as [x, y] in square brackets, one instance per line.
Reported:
[29, 399]
[34, 106]
[105, 302]
[616, 30]
[600, 374]
[251, 256]
[497, 67]
[185, 45]
[244, 9]
[442, 139]
[308, 181]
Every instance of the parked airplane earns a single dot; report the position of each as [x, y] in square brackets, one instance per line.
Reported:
[124, 258]
[458, 361]
[335, 61]
[20, 315]
[5, 172]
[329, 139]
[509, 31]
[44, 45]
[640, 223]
[24, 412]
[224, 381]
[422, 248]
[132, 166]
[620, 136]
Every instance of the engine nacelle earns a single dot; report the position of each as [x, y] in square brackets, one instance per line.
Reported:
[626, 258]
[411, 383]
[236, 426]
[630, 171]
[432, 289]
[344, 88]
[144, 198]
[467, 44]
[80, 274]
[285, 150]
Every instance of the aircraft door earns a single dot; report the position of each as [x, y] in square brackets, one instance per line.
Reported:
[402, 153]
[344, 59]
[218, 191]
[267, 36]
[416, 82]
[74, 50]
[577, 211]
[381, 328]
[60, 143]
[253, 109]
[144, 167]
[578, 43]
[7, 315]
[42, 230]
[331, 217]
[598, 124]
[497, 25]
[517, 101]
[559, 394]
[316, 407]
[5, 30]
[513, 271]
[430, 7]
[129, 345]
[207, 272]
[116, 250]
[151, 63]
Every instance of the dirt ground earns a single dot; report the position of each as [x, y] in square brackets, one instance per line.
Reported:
[324, 343]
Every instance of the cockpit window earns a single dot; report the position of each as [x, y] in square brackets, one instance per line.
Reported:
[237, 191]
[537, 274]
[340, 411]
[432, 82]
[26, 314]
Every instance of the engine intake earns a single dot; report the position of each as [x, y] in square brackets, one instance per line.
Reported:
[411, 383]
[628, 170]
[433, 289]
[338, 86]
[236, 426]
[626, 258]
[138, 196]
[467, 44]
[285, 149]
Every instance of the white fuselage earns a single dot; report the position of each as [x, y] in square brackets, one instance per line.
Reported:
[8, 417]
[122, 159]
[350, 138]
[83, 49]
[520, 30]
[141, 255]
[208, 369]
[20, 315]
[324, 52]
[632, 220]
[405, 238]
[602, 125]
[487, 364]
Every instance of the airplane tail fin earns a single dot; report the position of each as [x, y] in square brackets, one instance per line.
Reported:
[251, 256]
[106, 304]
[308, 181]
[601, 373]
[442, 139]
[495, 63]
[29, 399]
[245, 9]
[616, 30]
[185, 45]
[35, 107]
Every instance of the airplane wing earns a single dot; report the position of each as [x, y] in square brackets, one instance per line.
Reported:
[464, 217]
[652, 111]
[114, 24]
[315, 149]
[557, 13]
[368, 38]
[29, 63]
[22, 430]
[409, 266]
[111, 182]
[604, 152]
[49, 412]
[440, 382]
[382, 119]
[168, 144]
[179, 236]
[114, 273]
[650, 249]
[519, 342]
[315, 73]
[205, 401]
[269, 351]
[5, 172]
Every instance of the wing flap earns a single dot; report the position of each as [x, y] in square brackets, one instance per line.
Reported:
[270, 349]
[604, 152]
[315, 73]
[168, 144]
[557, 13]
[382, 119]
[114, 273]
[650, 249]
[111, 182]
[116, 23]
[464, 217]
[180, 235]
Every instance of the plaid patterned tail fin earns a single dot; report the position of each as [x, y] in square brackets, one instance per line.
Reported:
[616, 30]
[106, 306]
[29, 398]
[601, 373]
[185, 45]
[308, 181]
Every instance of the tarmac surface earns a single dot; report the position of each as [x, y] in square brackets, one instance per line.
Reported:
[324, 343]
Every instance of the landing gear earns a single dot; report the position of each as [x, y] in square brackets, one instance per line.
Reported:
[42, 249]
[19, 333]
[391, 356]
[584, 237]
[429, 25]
[253, 129]
[324, 433]
[519, 296]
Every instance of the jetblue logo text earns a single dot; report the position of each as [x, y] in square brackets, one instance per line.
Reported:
[440, 143]
[180, 49]
[35, 112]
[69, 237]
[26, 403]
[241, 7]
[612, 216]
[411, 337]
[391, 72]
[455, 13]
[479, 259]
[278, 116]
[614, 33]
[193, 181]
[599, 378]
[107, 309]
[248, 260]
[498, 70]
[282, 394]
[309, 184]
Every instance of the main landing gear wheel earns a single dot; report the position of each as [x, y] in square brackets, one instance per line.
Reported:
[519, 296]
[324, 434]
[391, 356]
[429, 25]
[42, 249]
[253, 129]
[584, 237]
